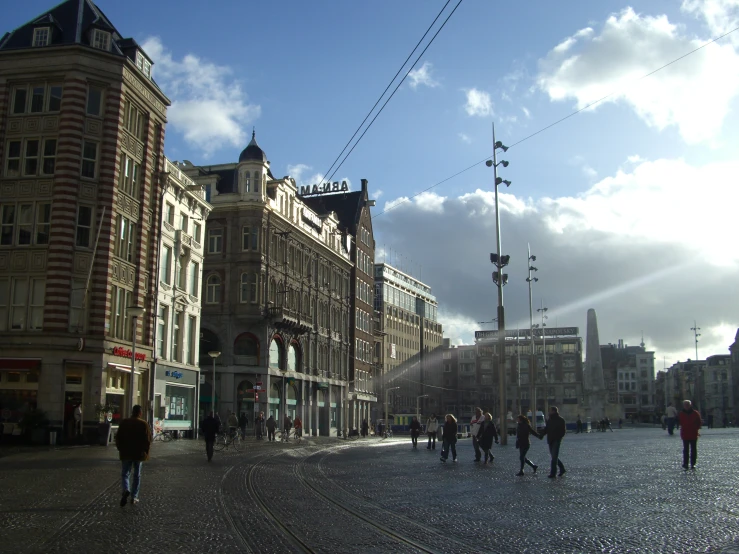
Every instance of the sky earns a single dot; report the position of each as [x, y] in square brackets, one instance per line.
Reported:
[629, 206]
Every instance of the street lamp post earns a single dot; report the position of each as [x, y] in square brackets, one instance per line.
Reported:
[135, 312]
[532, 357]
[418, 399]
[213, 354]
[500, 279]
[386, 415]
[543, 311]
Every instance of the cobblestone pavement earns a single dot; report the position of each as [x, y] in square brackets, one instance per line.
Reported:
[623, 492]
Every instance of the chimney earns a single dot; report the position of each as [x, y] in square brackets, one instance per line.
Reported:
[365, 182]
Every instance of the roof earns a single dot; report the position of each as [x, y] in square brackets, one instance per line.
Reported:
[252, 152]
[347, 207]
[71, 23]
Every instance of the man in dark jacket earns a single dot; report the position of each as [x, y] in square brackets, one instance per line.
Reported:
[690, 423]
[210, 430]
[555, 432]
[415, 429]
[133, 441]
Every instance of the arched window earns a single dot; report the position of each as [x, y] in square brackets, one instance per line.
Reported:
[213, 290]
[246, 344]
[276, 353]
[272, 291]
[247, 182]
[293, 357]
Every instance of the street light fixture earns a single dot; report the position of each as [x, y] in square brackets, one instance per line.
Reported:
[543, 311]
[418, 398]
[500, 279]
[213, 354]
[135, 312]
[532, 358]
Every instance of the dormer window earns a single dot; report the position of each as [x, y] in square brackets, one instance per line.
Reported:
[143, 64]
[101, 40]
[41, 36]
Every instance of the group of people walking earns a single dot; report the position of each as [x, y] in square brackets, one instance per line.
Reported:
[484, 434]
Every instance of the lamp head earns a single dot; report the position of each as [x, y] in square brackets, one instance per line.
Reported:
[489, 163]
[532, 258]
[500, 145]
[505, 163]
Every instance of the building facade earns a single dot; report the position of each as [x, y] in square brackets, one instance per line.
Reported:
[734, 353]
[629, 376]
[81, 138]
[276, 290]
[178, 279]
[409, 333]
[355, 220]
[718, 386]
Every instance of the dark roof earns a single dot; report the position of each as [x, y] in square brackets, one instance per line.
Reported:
[347, 207]
[252, 152]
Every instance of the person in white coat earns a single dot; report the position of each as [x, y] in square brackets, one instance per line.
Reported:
[475, 422]
[432, 427]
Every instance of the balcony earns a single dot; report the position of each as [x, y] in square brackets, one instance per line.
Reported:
[183, 238]
[285, 318]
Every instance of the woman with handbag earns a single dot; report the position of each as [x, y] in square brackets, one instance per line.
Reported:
[486, 434]
[523, 432]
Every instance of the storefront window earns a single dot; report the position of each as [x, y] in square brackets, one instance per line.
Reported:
[115, 400]
[18, 402]
[179, 404]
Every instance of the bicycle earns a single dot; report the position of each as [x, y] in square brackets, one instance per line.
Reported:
[352, 435]
[226, 440]
[162, 435]
[387, 434]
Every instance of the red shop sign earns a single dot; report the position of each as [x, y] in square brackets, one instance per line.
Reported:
[125, 353]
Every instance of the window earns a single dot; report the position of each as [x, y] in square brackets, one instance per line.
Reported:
[55, 98]
[13, 164]
[143, 64]
[25, 224]
[129, 179]
[162, 331]
[169, 214]
[19, 297]
[4, 298]
[84, 226]
[215, 241]
[36, 305]
[134, 120]
[41, 36]
[184, 223]
[7, 224]
[49, 160]
[194, 278]
[94, 101]
[119, 326]
[190, 340]
[19, 100]
[177, 337]
[197, 231]
[101, 40]
[30, 166]
[37, 98]
[250, 239]
[166, 268]
[89, 158]
[76, 305]
[213, 290]
[124, 239]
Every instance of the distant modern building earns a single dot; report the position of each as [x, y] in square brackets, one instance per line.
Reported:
[718, 387]
[410, 331]
[628, 372]
[82, 134]
[734, 350]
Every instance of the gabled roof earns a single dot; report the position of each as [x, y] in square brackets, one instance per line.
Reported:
[347, 207]
[71, 23]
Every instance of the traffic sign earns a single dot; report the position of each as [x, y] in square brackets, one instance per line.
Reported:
[259, 383]
[257, 387]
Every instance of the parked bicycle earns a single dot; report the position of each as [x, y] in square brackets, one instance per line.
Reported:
[163, 435]
[351, 435]
[228, 440]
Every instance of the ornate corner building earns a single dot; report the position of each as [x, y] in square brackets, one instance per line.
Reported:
[83, 181]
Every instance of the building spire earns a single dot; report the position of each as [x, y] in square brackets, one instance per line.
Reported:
[253, 133]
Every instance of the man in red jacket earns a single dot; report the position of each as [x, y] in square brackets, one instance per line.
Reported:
[690, 423]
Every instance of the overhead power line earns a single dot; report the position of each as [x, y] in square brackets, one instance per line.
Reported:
[396, 88]
[590, 105]
[387, 88]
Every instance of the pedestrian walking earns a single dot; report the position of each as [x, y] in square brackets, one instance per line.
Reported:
[415, 428]
[243, 421]
[607, 425]
[579, 424]
[671, 413]
[233, 423]
[287, 425]
[475, 422]
[271, 428]
[133, 441]
[449, 438]
[486, 435]
[690, 424]
[620, 422]
[210, 430]
[555, 432]
[523, 442]
[432, 427]
[298, 424]
[365, 428]
[78, 419]
[259, 426]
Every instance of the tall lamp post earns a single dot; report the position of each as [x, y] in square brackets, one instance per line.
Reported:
[500, 279]
[545, 376]
[135, 312]
[418, 409]
[386, 415]
[532, 357]
[213, 354]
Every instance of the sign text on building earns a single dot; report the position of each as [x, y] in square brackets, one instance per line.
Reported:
[125, 353]
[312, 219]
[174, 374]
[324, 188]
[526, 333]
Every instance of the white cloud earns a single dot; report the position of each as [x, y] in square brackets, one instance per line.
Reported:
[377, 194]
[464, 138]
[589, 172]
[526, 112]
[425, 201]
[649, 247]
[209, 107]
[720, 16]
[422, 76]
[694, 94]
[478, 103]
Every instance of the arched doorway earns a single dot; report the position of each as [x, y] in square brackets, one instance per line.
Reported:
[274, 403]
[245, 400]
[294, 357]
[276, 353]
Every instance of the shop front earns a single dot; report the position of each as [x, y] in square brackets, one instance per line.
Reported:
[19, 379]
[175, 400]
